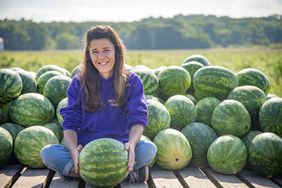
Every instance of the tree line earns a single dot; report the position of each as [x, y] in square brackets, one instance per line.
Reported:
[179, 32]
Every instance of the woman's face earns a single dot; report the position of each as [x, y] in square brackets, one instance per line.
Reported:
[102, 53]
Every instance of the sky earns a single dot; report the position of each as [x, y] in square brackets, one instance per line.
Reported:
[132, 10]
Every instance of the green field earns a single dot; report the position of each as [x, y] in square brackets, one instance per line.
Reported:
[268, 60]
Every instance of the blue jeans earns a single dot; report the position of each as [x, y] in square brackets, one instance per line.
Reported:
[57, 157]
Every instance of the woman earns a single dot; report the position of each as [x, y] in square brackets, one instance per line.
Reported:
[104, 100]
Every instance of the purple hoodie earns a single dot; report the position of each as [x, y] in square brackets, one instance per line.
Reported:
[112, 121]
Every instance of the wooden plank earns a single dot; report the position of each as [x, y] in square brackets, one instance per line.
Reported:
[194, 177]
[58, 182]
[8, 174]
[257, 180]
[88, 185]
[164, 179]
[133, 185]
[32, 178]
[223, 180]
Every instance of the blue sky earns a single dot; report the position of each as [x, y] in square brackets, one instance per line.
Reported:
[132, 10]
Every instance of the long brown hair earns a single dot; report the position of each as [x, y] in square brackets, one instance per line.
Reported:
[89, 75]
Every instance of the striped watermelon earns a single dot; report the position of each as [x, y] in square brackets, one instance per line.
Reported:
[182, 111]
[56, 89]
[103, 162]
[28, 80]
[250, 96]
[254, 77]
[200, 136]
[75, 71]
[10, 85]
[198, 58]
[6, 148]
[47, 68]
[63, 103]
[214, 81]
[174, 151]
[227, 154]
[265, 154]
[58, 131]
[270, 117]
[231, 117]
[205, 108]
[43, 79]
[158, 118]
[13, 129]
[158, 70]
[31, 109]
[149, 80]
[29, 143]
[174, 81]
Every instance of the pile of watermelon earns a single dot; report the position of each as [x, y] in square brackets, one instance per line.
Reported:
[198, 114]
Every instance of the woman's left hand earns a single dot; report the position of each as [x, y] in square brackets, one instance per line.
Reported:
[131, 155]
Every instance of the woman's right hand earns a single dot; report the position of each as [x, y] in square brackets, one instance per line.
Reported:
[75, 157]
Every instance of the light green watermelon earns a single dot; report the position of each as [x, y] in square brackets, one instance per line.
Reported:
[231, 117]
[182, 111]
[29, 143]
[103, 162]
[250, 96]
[6, 148]
[43, 79]
[227, 154]
[174, 151]
[28, 80]
[149, 80]
[63, 103]
[47, 68]
[158, 118]
[205, 108]
[198, 58]
[13, 129]
[10, 85]
[253, 77]
[56, 89]
[270, 115]
[200, 136]
[265, 154]
[214, 81]
[31, 109]
[158, 70]
[174, 81]
[58, 131]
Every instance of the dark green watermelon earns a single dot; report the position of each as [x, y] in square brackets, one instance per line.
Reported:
[6, 148]
[43, 79]
[13, 129]
[205, 108]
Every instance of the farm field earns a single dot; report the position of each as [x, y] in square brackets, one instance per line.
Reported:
[268, 60]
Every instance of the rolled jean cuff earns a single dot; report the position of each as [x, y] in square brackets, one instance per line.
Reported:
[67, 168]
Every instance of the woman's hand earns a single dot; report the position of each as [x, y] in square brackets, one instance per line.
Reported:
[131, 155]
[75, 157]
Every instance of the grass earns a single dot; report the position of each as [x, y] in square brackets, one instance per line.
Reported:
[268, 60]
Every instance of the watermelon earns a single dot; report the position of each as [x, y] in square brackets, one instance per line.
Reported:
[6, 148]
[56, 89]
[158, 118]
[47, 68]
[250, 96]
[10, 85]
[205, 108]
[158, 70]
[191, 97]
[29, 143]
[227, 154]
[28, 80]
[231, 117]
[200, 136]
[270, 115]
[58, 131]
[149, 80]
[214, 81]
[103, 162]
[198, 58]
[174, 151]
[265, 154]
[182, 111]
[43, 79]
[192, 67]
[63, 103]
[31, 109]
[174, 80]
[154, 98]
[5, 112]
[13, 129]
[75, 71]
[253, 77]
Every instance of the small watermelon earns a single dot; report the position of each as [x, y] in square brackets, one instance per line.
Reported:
[6, 148]
[198, 58]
